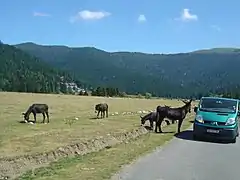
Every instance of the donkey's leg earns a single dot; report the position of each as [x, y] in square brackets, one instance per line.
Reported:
[107, 113]
[98, 114]
[43, 117]
[167, 121]
[151, 124]
[47, 116]
[35, 119]
[179, 124]
[160, 124]
[157, 122]
[103, 114]
[173, 121]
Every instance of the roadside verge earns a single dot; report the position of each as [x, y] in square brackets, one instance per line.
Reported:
[103, 164]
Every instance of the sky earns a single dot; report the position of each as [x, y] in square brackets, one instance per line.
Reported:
[153, 26]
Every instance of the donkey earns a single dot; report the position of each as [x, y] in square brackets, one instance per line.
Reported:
[102, 107]
[35, 109]
[152, 118]
[172, 114]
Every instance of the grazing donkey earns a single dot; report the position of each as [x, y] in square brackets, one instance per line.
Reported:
[152, 118]
[35, 109]
[102, 107]
[172, 114]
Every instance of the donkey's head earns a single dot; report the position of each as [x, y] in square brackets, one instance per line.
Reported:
[25, 117]
[188, 105]
[143, 120]
[97, 108]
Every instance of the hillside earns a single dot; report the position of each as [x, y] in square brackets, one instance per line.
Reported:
[22, 72]
[183, 74]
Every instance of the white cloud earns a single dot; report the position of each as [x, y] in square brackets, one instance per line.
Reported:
[41, 14]
[215, 27]
[89, 15]
[142, 18]
[187, 16]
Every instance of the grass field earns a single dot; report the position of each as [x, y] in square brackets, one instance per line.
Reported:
[19, 139]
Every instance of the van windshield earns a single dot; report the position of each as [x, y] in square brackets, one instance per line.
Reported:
[218, 105]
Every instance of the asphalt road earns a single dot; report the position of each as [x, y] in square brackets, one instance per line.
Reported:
[185, 159]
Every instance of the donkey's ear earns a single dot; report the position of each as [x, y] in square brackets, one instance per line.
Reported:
[185, 102]
[141, 117]
[190, 101]
[23, 113]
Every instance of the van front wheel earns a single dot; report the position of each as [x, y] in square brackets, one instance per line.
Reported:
[195, 137]
[234, 140]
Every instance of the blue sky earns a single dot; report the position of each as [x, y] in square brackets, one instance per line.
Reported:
[155, 26]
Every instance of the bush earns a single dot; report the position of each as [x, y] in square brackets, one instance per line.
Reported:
[148, 95]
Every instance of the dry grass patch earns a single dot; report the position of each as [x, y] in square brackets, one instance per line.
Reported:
[19, 139]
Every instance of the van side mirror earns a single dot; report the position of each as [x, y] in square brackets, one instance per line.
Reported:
[195, 109]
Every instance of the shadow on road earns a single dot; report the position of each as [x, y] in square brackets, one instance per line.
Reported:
[188, 135]
[168, 132]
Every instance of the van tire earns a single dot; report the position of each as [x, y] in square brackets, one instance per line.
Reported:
[234, 140]
[195, 137]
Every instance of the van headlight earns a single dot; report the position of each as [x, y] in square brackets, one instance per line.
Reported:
[199, 119]
[230, 121]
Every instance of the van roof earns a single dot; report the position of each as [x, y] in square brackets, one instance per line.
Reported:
[212, 97]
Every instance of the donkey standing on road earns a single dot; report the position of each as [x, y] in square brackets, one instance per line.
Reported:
[35, 109]
[172, 114]
[102, 107]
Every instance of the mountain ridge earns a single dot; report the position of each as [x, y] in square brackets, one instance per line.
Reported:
[215, 49]
[181, 74]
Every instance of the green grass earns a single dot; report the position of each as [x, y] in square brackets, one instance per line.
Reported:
[102, 165]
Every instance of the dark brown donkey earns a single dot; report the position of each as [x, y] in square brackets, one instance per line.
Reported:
[152, 116]
[102, 107]
[36, 109]
[172, 114]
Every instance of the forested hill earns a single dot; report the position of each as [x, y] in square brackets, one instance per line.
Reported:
[183, 74]
[22, 72]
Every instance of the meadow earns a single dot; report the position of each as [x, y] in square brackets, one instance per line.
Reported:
[72, 120]
[19, 139]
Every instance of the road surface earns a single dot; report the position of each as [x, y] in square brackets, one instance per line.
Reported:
[185, 159]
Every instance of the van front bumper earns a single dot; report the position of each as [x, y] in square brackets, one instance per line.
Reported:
[223, 134]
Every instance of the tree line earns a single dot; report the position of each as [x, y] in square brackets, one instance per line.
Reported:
[106, 91]
[21, 72]
[167, 75]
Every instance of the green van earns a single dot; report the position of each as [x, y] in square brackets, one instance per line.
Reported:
[216, 118]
